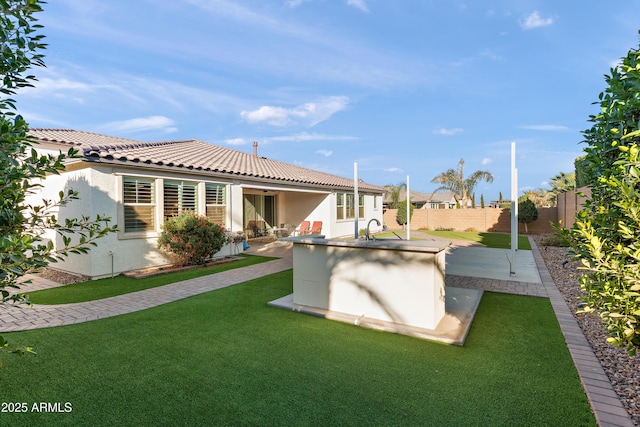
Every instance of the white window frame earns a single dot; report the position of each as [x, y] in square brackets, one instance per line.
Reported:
[139, 202]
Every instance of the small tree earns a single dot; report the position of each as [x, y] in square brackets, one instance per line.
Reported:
[191, 238]
[527, 213]
[23, 225]
[401, 215]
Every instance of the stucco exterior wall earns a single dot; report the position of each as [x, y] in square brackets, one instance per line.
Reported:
[479, 219]
[100, 189]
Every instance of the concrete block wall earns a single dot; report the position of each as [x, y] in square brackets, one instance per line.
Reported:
[480, 219]
[571, 202]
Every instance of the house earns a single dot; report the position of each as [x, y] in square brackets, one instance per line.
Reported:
[141, 184]
[426, 200]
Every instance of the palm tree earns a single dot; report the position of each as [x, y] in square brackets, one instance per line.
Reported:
[563, 182]
[394, 192]
[540, 197]
[454, 181]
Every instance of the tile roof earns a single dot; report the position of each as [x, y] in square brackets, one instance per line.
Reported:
[418, 197]
[191, 155]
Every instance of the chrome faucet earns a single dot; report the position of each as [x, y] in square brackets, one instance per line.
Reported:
[368, 235]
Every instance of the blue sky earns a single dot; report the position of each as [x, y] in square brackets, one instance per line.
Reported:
[401, 87]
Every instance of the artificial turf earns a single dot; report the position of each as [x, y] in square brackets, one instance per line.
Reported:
[490, 240]
[119, 285]
[226, 358]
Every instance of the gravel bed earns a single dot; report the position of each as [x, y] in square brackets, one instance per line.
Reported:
[61, 276]
[623, 371]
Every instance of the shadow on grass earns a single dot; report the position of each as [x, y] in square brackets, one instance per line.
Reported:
[226, 358]
[119, 285]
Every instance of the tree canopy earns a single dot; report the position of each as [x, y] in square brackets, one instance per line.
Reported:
[23, 224]
[454, 180]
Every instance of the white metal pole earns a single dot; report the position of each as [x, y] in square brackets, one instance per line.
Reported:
[514, 208]
[356, 200]
[408, 210]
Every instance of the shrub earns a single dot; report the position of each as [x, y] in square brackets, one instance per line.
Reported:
[471, 230]
[191, 238]
[555, 240]
[606, 234]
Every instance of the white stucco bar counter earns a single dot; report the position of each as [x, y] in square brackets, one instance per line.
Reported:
[391, 280]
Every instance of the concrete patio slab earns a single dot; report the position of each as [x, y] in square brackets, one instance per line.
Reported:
[491, 263]
[460, 309]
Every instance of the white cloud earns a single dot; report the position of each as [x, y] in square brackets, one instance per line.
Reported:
[309, 114]
[487, 161]
[296, 3]
[325, 153]
[304, 136]
[236, 141]
[142, 124]
[444, 131]
[552, 128]
[358, 4]
[534, 20]
[394, 170]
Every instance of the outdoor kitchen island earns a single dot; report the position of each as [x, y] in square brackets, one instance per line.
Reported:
[389, 284]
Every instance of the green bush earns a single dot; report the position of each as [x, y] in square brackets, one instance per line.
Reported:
[606, 234]
[191, 238]
[555, 240]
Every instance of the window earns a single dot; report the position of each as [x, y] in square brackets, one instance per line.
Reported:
[375, 203]
[216, 202]
[339, 206]
[346, 207]
[179, 197]
[349, 206]
[139, 204]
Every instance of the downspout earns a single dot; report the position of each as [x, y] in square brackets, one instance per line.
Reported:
[356, 199]
[111, 255]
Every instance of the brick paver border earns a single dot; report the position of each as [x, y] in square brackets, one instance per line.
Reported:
[605, 402]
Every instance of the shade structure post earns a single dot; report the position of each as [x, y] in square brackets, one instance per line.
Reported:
[408, 210]
[514, 209]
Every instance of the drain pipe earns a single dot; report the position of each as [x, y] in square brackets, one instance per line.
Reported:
[356, 200]
[111, 255]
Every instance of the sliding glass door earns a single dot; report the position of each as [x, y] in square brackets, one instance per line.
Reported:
[259, 214]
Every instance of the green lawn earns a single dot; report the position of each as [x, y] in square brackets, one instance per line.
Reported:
[226, 358]
[104, 288]
[491, 240]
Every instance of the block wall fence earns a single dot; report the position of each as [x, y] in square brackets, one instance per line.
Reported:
[492, 219]
[480, 219]
[569, 203]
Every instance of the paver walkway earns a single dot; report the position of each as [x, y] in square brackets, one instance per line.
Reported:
[604, 401]
[21, 317]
